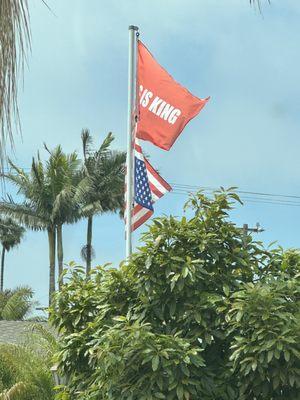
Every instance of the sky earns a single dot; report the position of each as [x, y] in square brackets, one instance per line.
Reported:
[247, 136]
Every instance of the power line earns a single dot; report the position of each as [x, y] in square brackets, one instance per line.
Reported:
[245, 195]
[259, 198]
[209, 188]
[254, 200]
[250, 198]
[187, 188]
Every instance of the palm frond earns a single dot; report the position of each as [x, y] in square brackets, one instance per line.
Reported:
[30, 363]
[22, 184]
[18, 305]
[14, 42]
[91, 208]
[65, 209]
[4, 296]
[11, 233]
[106, 143]
[41, 340]
[16, 392]
[25, 214]
[17, 177]
[82, 189]
[37, 172]
[102, 187]
[87, 143]
[61, 169]
[14, 167]
[84, 253]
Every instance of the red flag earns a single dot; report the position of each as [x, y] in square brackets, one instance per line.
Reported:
[165, 106]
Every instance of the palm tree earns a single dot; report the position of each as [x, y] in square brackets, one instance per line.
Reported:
[63, 176]
[11, 235]
[14, 43]
[35, 210]
[102, 186]
[47, 192]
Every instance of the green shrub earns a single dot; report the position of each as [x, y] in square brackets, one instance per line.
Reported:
[266, 349]
[194, 305]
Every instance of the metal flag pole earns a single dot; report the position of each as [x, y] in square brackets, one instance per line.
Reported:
[130, 121]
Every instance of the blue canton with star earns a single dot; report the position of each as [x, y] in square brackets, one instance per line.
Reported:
[142, 191]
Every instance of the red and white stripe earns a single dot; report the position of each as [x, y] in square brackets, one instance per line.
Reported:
[158, 187]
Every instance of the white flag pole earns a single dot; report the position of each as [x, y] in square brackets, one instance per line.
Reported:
[130, 121]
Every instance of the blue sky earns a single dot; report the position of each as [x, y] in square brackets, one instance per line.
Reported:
[247, 136]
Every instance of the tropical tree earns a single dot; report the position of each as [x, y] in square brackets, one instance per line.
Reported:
[11, 235]
[34, 211]
[101, 189]
[14, 43]
[63, 177]
[47, 192]
[16, 304]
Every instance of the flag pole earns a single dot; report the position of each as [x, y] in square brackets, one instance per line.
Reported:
[130, 121]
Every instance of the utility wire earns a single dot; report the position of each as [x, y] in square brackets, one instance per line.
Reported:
[271, 199]
[249, 198]
[191, 188]
[246, 196]
[194, 187]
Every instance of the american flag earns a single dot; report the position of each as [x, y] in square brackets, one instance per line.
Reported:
[149, 186]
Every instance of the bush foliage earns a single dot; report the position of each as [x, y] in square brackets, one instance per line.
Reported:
[199, 312]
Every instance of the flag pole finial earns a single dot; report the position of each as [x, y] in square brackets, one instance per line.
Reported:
[133, 28]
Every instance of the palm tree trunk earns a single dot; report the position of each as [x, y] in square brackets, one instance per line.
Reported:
[2, 269]
[89, 245]
[60, 255]
[51, 241]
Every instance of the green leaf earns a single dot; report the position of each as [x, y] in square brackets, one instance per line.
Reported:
[276, 382]
[185, 272]
[287, 355]
[226, 290]
[270, 355]
[172, 308]
[239, 316]
[197, 317]
[159, 395]
[254, 365]
[155, 363]
[119, 318]
[292, 379]
[186, 395]
[180, 392]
